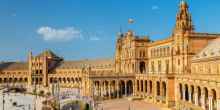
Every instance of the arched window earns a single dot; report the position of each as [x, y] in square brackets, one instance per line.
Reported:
[167, 66]
[152, 66]
[142, 67]
[159, 66]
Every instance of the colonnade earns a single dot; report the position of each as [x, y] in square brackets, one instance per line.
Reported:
[65, 79]
[153, 89]
[14, 81]
[203, 97]
[112, 88]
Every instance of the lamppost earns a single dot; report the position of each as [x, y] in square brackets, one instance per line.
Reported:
[3, 100]
[35, 93]
[34, 76]
[57, 93]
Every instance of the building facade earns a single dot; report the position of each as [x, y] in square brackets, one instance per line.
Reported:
[181, 71]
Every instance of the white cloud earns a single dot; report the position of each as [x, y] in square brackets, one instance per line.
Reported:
[53, 34]
[95, 38]
[155, 7]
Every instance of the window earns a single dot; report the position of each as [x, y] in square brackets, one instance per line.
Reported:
[41, 71]
[159, 66]
[152, 66]
[178, 62]
[142, 67]
[167, 66]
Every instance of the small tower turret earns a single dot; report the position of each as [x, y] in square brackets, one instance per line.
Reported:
[183, 20]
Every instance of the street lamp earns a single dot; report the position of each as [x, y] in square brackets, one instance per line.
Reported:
[56, 91]
[35, 93]
[3, 101]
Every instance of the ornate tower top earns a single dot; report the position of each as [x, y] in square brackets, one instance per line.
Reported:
[183, 20]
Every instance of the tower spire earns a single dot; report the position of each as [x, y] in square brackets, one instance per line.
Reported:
[183, 20]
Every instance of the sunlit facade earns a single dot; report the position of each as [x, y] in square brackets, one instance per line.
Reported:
[181, 71]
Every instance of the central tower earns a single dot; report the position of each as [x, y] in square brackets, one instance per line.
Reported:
[183, 20]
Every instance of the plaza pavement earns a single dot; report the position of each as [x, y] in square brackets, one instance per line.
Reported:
[123, 104]
[24, 101]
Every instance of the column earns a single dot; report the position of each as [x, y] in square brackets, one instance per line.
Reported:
[218, 104]
[184, 95]
[134, 87]
[196, 99]
[101, 88]
[148, 88]
[210, 102]
[203, 100]
[104, 89]
[117, 88]
[144, 88]
[109, 90]
[190, 95]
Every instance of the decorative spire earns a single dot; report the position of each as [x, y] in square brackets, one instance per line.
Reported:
[183, 20]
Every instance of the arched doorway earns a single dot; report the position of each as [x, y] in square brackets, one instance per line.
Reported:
[142, 67]
[186, 92]
[214, 101]
[206, 98]
[164, 92]
[145, 86]
[192, 93]
[199, 96]
[129, 88]
[151, 85]
[164, 89]
[181, 91]
[122, 88]
[142, 86]
[106, 88]
[158, 88]
[138, 87]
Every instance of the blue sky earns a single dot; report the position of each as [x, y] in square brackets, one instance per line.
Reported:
[79, 29]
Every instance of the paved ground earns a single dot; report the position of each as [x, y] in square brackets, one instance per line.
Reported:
[24, 102]
[123, 104]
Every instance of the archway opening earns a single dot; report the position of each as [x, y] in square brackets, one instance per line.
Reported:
[122, 88]
[142, 86]
[151, 87]
[186, 93]
[206, 98]
[145, 86]
[181, 91]
[214, 101]
[164, 89]
[199, 96]
[129, 88]
[138, 87]
[158, 88]
[192, 94]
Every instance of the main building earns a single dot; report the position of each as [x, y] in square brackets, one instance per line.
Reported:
[181, 71]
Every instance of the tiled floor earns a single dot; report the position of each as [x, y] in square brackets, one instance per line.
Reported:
[124, 104]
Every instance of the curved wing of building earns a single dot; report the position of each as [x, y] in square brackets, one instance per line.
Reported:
[181, 71]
